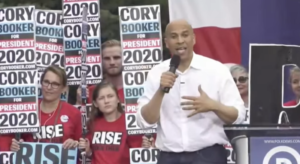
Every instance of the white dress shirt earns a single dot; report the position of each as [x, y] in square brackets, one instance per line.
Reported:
[175, 131]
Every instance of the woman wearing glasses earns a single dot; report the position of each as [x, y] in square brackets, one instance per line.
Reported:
[60, 121]
[107, 141]
[240, 76]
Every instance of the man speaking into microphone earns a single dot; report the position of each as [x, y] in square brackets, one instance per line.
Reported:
[190, 104]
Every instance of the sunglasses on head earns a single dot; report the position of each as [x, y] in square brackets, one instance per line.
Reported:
[241, 79]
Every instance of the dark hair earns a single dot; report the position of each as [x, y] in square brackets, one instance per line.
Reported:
[96, 113]
[61, 73]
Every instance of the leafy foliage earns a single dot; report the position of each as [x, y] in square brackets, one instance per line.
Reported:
[109, 12]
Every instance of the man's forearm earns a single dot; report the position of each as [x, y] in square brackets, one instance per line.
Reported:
[227, 113]
[151, 111]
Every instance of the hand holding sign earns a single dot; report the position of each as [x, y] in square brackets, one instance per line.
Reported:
[84, 144]
[200, 104]
[36, 153]
[15, 145]
[78, 93]
[70, 143]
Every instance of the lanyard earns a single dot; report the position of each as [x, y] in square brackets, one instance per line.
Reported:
[55, 121]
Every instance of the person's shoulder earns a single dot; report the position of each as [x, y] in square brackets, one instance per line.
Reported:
[70, 108]
[161, 67]
[209, 63]
[212, 65]
[91, 87]
[290, 103]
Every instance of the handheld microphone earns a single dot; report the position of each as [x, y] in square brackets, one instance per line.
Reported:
[148, 135]
[174, 63]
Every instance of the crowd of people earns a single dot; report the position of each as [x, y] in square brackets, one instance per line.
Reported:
[59, 119]
[196, 122]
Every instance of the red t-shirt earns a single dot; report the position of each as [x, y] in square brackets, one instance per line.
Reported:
[68, 125]
[92, 88]
[290, 103]
[5, 141]
[110, 143]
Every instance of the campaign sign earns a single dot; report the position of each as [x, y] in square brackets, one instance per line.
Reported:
[18, 97]
[49, 42]
[41, 153]
[275, 150]
[247, 116]
[280, 64]
[143, 156]
[72, 25]
[84, 31]
[6, 157]
[85, 111]
[231, 155]
[140, 31]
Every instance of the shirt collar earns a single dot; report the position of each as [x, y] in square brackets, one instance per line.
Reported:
[196, 61]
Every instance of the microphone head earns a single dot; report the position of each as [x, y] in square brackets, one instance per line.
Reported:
[148, 135]
[175, 61]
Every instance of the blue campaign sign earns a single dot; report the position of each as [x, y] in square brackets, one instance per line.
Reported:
[275, 150]
[44, 153]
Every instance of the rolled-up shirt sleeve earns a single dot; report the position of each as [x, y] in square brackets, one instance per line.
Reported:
[229, 95]
[150, 87]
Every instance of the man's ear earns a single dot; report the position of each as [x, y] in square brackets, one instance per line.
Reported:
[194, 39]
[165, 39]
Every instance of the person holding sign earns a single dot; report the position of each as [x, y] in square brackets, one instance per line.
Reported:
[59, 120]
[202, 98]
[107, 141]
[112, 69]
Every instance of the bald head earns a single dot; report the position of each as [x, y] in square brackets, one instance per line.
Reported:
[180, 39]
[178, 23]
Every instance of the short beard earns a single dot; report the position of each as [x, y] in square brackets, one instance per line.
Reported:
[106, 73]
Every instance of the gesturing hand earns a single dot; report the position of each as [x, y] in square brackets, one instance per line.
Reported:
[200, 104]
[78, 95]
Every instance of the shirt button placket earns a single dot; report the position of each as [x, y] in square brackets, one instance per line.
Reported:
[183, 92]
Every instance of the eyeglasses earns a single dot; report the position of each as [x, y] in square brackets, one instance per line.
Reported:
[53, 85]
[241, 79]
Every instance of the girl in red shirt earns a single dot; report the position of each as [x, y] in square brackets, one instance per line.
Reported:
[60, 121]
[107, 141]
